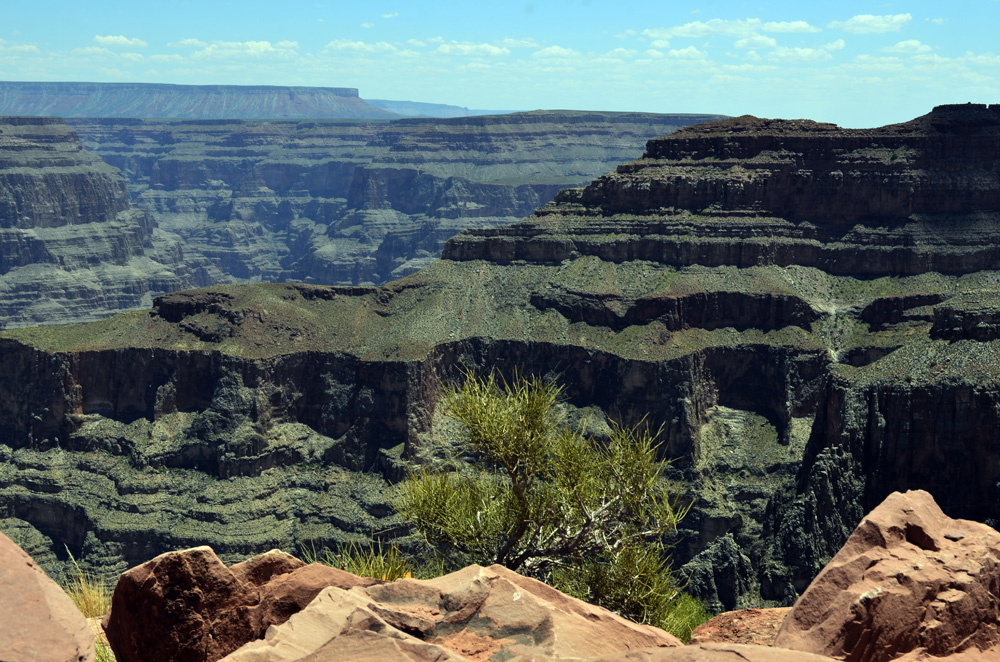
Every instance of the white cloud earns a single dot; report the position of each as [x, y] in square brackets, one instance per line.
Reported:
[392, 15]
[728, 27]
[556, 51]
[789, 26]
[908, 46]
[93, 50]
[783, 53]
[517, 43]
[938, 21]
[653, 53]
[622, 53]
[868, 24]
[756, 41]
[8, 47]
[689, 53]
[472, 49]
[119, 40]
[132, 57]
[367, 26]
[173, 57]
[360, 46]
[416, 42]
[246, 49]
[187, 43]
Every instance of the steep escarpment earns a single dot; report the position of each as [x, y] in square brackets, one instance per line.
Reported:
[71, 245]
[795, 383]
[184, 101]
[355, 202]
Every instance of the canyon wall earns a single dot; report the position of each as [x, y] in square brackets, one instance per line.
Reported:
[803, 350]
[355, 202]
[71, 245]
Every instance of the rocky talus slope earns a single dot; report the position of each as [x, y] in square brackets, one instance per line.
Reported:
[355, 202]
[71, 245]
[808, 312]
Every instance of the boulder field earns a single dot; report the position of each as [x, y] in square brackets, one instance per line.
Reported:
[807, 313]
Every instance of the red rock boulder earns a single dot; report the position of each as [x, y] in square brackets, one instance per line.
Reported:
[910, 581]
[39, 620]
[474, 614]
[188, 606]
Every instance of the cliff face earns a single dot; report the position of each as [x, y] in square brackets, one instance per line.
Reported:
[187, 101]
[354, 202]
[71, 246]
[802, 362]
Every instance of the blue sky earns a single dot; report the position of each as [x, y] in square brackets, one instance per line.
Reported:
[854, 63]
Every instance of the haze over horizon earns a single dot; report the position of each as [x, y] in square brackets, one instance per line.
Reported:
[857, 64]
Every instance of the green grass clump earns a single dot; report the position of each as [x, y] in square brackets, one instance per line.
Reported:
[371, 560]
[90, 593]
[92, 596]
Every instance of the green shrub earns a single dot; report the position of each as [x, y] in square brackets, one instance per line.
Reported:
[546, 500]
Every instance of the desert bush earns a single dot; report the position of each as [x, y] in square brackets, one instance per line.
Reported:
[548, 501]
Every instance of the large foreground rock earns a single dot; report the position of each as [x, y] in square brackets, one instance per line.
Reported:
[910, 580]
[40, 622]
[474, 614]
[187, 606]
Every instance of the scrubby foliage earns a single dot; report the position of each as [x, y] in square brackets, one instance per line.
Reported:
[547, 500]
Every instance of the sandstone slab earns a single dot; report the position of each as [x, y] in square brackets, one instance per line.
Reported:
[474, 614]
[910, 581]
[40, 622]
[187, 606]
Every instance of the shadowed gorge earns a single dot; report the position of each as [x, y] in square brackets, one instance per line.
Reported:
[809, 342]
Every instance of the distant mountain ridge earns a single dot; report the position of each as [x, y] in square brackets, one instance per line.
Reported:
[155, 100]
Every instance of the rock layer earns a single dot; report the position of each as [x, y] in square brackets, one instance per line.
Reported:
[354, 202]
[71, 246]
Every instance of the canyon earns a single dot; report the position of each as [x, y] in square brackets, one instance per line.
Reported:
[806, 313]
[215, 201]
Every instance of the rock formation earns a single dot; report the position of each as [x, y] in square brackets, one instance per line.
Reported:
[40, 622]
[185, 101]
[71, 246]
[354, 202]
[805, 310]
[911, 582]
[187, 606]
